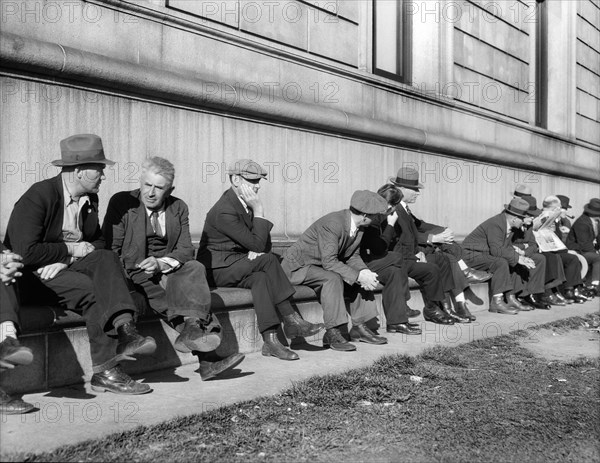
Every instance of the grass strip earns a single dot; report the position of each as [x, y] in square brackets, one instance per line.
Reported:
[487, 401]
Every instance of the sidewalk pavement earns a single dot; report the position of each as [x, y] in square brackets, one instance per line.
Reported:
[71, 415]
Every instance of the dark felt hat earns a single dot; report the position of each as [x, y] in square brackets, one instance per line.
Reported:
[517, 206]
[593, 207]
[564, 201]
[533, 209]
[247, 168]
[407, 177]
[84, 148]
[368, 202]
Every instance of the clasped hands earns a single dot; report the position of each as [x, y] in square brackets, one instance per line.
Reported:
[447, 236]
[367, 280]
[76, 251]
[10, 266]
[151, 265]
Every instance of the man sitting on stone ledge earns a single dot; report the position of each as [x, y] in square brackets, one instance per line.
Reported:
[54, 227]
[326, 257]
[490, 248]
[11, 352]
[149, 229]
[236, 250]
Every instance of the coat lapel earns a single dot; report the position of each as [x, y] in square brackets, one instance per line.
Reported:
[239, 208]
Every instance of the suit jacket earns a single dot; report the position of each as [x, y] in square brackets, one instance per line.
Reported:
[124, 228]
[491, 238]
[230, 233]
[406, 240]
[35, 226]
[581, 237]
[327, 243]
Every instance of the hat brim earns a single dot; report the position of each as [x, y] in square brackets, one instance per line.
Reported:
[535, 213]
[523, 215]
[61, 163]
[393, 181]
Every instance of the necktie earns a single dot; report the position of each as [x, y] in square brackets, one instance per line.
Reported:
[409, 212]
[155, 223]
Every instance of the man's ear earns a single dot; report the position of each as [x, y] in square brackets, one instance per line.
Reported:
[170, 191]
[235, 180]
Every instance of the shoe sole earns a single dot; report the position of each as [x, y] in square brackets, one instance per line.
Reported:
[105, 389]
[345, 349]
[439, 322]
[16, 411]
[21, 357]
[271, 354]
[503, 312]
[416, 333]
[377, 343]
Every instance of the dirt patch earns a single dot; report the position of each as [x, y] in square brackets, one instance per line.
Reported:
[564, 345]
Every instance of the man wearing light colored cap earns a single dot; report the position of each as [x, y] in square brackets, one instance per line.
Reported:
[490, 248]
[235, 248]
[326, 257]
[54, 227]
[149, 229]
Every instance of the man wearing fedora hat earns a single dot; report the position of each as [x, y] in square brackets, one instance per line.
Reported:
[326, 257]
[235, 248]
[584, 238]
[149, 229]
[490, 247]
[54, 227]
[420, 242]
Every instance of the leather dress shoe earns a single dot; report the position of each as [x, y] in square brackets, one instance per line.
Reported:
[13, 405]
[559, 296]
[132, 343]
[273, 348]
[447, 309]
[497, 305]
[404, 328]
[412, 313]
[552, 299]
[13, 353]
[576, 295]
[117, 381]
[533, 301]
[333, 338]
[295, 326]
[476, 276]
[362, 333]
[514, 303]
[209, 370]
[462, 309]
[201, 336]
[435, 315]
[592, 290]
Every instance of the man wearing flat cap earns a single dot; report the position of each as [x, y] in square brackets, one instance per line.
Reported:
[149, 229]
[584, 238]
[426, 246]
[326, 257]
[490, 248]
[235, 248]
[54, 227]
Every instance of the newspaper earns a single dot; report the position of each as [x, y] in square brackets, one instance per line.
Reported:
[548, 241]
[545, 219]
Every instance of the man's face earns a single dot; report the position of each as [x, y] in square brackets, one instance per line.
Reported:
[155, 189]
[516, 222]
[90, 177]
[410, 195]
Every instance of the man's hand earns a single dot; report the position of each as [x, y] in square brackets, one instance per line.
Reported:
[564, 230]
[520, 251]
[526, 261]
[420, 256]
[447, 236]
[152, 266]
[81, 249]
[10, 264]
[253, 255]
[50, 271]
[252, 200]
[367, 280]
[392, 219]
